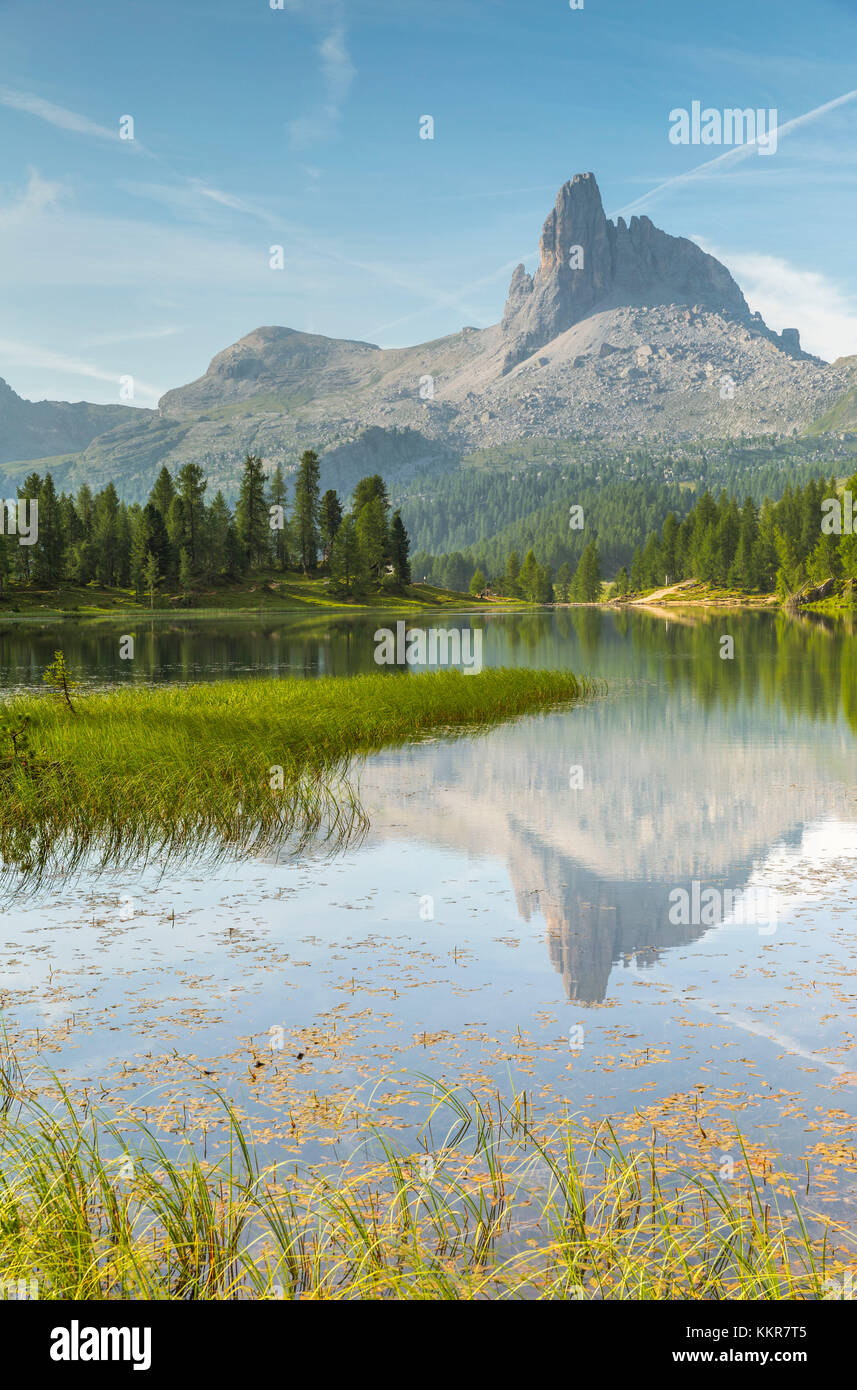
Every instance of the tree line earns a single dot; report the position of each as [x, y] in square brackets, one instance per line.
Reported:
[178, 539]
[776, 547]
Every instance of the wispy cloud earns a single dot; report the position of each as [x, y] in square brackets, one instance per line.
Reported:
[793, 296]
[228, 200]
[28, 355]
[58, 116]
[38, 195]
[142, 335]
[337, 74]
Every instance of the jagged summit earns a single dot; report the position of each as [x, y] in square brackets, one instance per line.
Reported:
[588, 263]
[623, 332]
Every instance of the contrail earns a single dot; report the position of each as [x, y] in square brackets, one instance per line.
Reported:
[739, 152]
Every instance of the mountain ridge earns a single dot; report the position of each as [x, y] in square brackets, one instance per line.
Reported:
[622, 332]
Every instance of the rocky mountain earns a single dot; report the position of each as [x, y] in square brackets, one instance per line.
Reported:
[42, 429]
[623, 332]
[588, 264]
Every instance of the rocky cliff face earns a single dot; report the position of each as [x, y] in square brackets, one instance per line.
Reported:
[588, 264]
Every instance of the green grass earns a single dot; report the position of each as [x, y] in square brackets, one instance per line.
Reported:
[271, 592]
[491, 1205]
[140, 771]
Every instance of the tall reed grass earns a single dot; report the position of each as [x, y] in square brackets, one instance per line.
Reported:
[496, 1209]
[234, 765]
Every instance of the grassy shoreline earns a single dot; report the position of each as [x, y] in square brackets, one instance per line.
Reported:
[697, 594]
[269, 593]
[241, 764]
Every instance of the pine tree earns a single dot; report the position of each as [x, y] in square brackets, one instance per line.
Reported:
[177, 532]
[477, 583]
[330, 522]
[235, 559]
[371, 522]
[185, 572]
[306, 511]
[348, 569]
[218, 522]
[151, 577]
[192, 485]
[60, 678]
[765, 559]
[528, 578]
[277, 498]
[824, 562]
[251, 514]
[163, 492]
[587, 579]
[47, 562]
[400, 546]
[743, 573]
[652, 562]
[726, 539]
[456, 572]
[106, 536]
[563, 581]
[510, 579]
[367, 490]
[847, 543]
[124, 531]
[138, 557]
[83, 563]
[637, 580]
[155, 540]
[543, 587]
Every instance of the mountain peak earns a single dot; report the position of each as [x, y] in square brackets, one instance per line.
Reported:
[588, 263]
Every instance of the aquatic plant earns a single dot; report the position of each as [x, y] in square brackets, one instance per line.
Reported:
[495, 1208]
[229, 767]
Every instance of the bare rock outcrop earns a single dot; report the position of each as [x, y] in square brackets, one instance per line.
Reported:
[588, 263]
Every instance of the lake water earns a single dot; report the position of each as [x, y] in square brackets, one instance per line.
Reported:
[641, 908]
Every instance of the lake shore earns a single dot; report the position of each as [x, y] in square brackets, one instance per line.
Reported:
[269, 593]
[239, 764]
[692, 593]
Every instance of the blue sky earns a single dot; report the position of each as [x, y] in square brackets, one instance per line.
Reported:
[299, 127]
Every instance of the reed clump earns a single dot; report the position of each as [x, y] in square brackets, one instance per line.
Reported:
[495, 1209]
[232, 765]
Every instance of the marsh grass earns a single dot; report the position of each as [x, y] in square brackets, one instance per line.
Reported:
[498, 1209]
[230, 766]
